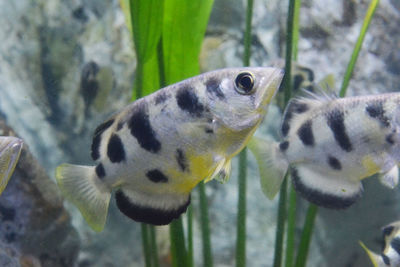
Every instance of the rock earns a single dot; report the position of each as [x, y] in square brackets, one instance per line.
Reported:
[34, 226]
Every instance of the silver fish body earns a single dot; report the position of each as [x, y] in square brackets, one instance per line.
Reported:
[331, 144]
[159, 147]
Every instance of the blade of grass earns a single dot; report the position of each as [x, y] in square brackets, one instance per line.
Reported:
[205, 228]
[241, 215]
[146, 244]
[350, 67]
[184, 26]
[190, 235]
[153, 246]
[291, 213]
[178, 248]
[280, 226]
[281, 220]
[305, 239]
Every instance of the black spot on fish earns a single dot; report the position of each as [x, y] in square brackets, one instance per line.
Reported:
[387, 230]
[334, 163]
[120, 125]
[146, 214]
[335, 121]
[294, 106]
[160, 98]
[297, 81]
[385, 259]
[141, 129]
[305, 133]
[115, 149]
[97, 138]
[375, 110]
[390, 139]
[309, 73]
[181, 159]
[299, 107]
[320, 198]
[284, 146]
[188, 101]
[395, 244]
[101, 173]
[213, 87]
[156, 176]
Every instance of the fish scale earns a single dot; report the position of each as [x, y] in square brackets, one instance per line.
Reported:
[154, 151]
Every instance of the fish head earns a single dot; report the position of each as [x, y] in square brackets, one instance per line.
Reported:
[238, 97]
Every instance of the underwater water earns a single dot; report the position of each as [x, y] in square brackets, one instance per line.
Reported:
[67, 66]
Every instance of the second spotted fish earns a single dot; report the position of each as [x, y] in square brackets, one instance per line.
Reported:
[157, 149]
[330, 144]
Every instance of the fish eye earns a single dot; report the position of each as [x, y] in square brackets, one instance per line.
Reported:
[244, 83]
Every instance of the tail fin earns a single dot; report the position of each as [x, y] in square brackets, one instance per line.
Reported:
[271, 163]
[325, 188]
[10, 150]
[375, 259]
[81, 186]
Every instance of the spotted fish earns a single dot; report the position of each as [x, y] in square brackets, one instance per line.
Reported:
[330, 144]
[157, 149]
[390, 255]
[10, 150]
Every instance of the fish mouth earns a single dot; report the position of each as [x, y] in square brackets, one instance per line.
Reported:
[269, 85]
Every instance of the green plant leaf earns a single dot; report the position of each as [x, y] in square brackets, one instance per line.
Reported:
[184, 26]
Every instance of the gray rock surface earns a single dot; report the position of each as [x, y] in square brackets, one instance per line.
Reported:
[34, 226]
[67, 65]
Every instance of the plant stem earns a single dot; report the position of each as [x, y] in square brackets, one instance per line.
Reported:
[247, 34]
[291, 226]
[241, 216]
[305, 239]
[280, 225]
[205, 229]
[153, 245]
[190, 235]
[293, 37]
[146, 245]
[178, 248]
[350, 67]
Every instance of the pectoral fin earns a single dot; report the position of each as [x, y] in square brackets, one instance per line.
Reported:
[375, 259]
[391, 177]
[271, 164]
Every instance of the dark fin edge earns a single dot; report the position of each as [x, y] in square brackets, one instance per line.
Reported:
[322, 199]
[148, 215]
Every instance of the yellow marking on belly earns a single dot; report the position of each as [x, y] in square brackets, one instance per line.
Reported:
[200, 168]
[370, 167]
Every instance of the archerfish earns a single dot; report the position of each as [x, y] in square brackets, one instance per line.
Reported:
[330, 144]
[390, 254]
[10, 150]
[154, 151]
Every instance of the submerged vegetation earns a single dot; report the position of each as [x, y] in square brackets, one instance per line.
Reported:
[166, 53]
